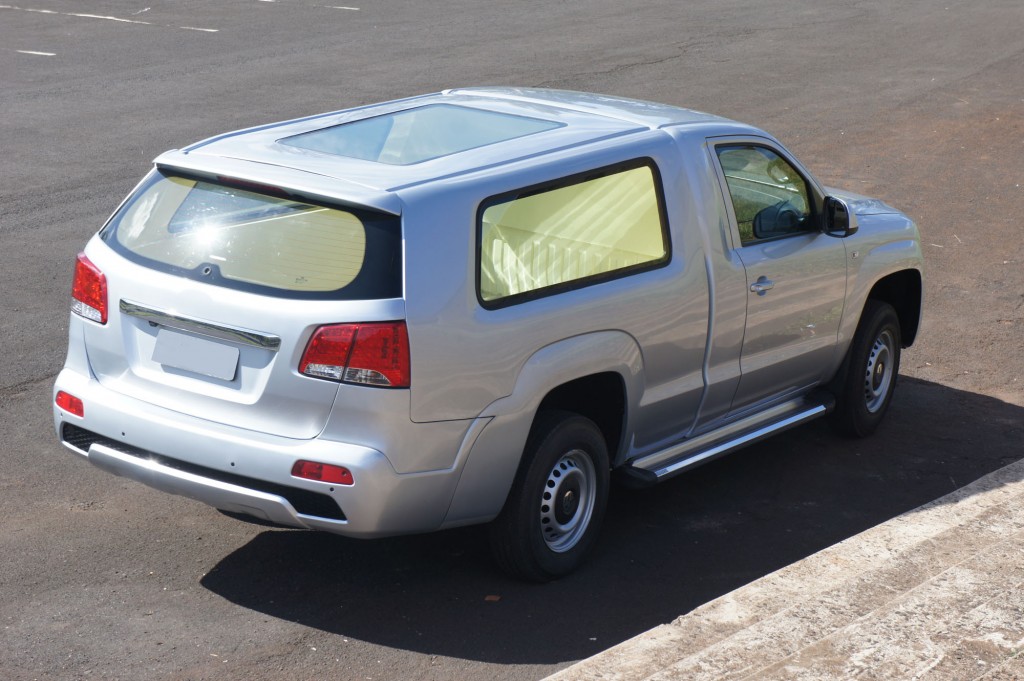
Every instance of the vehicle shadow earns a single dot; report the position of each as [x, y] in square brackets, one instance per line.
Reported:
[663, 552]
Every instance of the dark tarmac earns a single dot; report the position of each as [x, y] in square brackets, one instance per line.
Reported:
[920, 103]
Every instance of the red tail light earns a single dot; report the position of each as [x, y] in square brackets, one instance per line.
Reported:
[70, 403]
[89, 291]
[369, 354]
[324, 472]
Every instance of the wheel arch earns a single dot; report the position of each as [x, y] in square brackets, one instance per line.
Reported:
[601, 398]
[566, 375]
[902, 290]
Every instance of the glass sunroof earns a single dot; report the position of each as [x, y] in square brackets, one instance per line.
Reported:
[420, 134]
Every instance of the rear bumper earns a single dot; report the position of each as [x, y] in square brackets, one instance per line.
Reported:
[222, 495]
[244, 471]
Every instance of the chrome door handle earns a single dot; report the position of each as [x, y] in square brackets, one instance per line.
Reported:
[762, 286]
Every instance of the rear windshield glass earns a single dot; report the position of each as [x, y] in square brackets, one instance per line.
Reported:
[238, 237]
[419, 134]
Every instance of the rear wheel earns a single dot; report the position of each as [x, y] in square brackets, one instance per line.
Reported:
[865, 386]
[553, 513]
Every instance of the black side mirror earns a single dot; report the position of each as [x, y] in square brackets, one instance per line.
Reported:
[840, 221]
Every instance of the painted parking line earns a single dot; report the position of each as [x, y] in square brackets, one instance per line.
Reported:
[83, 15]
[41, 54]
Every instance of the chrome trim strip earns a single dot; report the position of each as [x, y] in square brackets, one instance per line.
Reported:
[203, 328]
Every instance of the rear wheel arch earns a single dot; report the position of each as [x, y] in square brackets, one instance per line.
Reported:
[572, 375]
[599, 397]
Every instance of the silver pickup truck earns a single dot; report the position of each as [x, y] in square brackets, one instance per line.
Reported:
[476, 307]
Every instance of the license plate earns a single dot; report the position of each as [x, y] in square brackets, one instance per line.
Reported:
[194, 354]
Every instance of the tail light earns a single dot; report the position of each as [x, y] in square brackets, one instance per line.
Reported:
[89, 291]
[368, 354]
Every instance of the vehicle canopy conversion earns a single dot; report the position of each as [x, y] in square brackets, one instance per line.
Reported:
[474, 307]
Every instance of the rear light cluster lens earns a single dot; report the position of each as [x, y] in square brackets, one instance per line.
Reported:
[324, 472]
[70, 403]
[89, 291]
[368, 354]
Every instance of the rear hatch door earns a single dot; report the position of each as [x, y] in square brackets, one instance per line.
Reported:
[215, 288]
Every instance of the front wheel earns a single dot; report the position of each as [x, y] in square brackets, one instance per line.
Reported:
[553, 513]
[867, 381]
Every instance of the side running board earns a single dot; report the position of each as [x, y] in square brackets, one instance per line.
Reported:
[664, 464]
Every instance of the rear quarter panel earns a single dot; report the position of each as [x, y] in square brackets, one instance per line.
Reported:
[465, 357]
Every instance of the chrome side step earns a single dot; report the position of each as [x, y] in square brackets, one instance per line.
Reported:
[697, 450]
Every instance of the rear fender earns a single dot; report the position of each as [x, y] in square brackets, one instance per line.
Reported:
[492, 463]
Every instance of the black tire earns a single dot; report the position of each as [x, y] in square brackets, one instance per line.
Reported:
[554, 511]
[865, 384]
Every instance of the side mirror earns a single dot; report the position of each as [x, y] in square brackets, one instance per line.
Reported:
[840, 221]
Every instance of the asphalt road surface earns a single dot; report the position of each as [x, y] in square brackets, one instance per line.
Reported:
[918, 102]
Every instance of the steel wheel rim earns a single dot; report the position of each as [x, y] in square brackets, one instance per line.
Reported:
[879, 374]
[567, 502]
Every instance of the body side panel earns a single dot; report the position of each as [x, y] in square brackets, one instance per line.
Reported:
[653, 306]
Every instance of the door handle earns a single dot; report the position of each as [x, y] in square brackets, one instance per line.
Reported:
[762, 286]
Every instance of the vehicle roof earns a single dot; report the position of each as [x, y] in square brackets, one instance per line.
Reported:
[258, 154]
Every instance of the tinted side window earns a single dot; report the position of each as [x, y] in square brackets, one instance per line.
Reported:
[571, 233]
[768, 195]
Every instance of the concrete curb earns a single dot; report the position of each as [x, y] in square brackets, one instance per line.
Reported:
[933, 593]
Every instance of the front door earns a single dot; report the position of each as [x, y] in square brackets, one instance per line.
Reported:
[796, 276]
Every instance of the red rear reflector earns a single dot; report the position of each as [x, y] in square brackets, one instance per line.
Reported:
[89, 291]
[324, 472]
[70, 403]
[374, 354]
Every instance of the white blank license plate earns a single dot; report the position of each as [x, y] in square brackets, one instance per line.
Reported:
[198, 355]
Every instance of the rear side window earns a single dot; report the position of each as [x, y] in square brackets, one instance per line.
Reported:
[571, 233]
[240, 237]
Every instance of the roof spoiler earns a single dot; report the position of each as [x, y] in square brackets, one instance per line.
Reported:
[300, 182]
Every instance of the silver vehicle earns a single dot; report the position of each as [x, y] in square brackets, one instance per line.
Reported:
[473, 307]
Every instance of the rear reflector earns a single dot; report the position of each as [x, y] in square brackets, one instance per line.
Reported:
[324, 472]
[89, 291]
[374, 354]
[70, 403]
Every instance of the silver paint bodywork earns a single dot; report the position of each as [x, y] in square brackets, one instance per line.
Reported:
[696, 351]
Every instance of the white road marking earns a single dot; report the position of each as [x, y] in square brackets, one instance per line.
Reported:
[354, 9]
[107, 18]
[99, 16]
[41, 54]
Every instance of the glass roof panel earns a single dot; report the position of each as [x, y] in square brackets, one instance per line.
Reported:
[419, 134]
